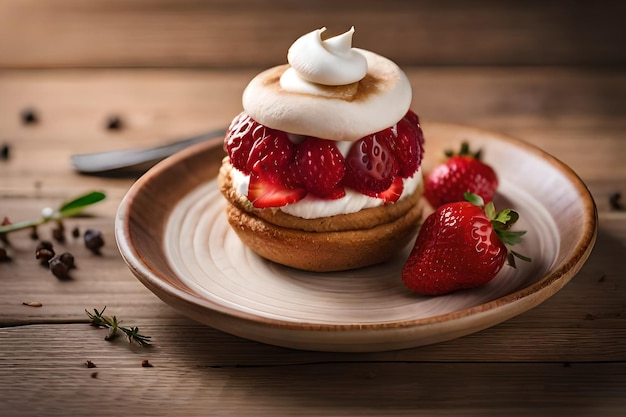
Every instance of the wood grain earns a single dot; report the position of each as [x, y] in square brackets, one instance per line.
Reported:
[329, 389]
[565, 356]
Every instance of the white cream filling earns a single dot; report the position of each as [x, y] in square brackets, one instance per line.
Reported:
[311, 207]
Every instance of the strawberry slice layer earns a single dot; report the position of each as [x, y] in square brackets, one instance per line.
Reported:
[265, 194]
[320, 167]
[283, 171]
[393, 193]
[370, 166]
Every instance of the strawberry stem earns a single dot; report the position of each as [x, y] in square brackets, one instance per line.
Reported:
[501, 221]
[475, 199]
[464, 151]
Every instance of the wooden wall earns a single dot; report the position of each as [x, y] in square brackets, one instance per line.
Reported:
[215, 33]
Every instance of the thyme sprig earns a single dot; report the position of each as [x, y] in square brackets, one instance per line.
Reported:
[67, 209]
[98, 319]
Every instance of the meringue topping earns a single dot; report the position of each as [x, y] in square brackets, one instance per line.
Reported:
[349, 112]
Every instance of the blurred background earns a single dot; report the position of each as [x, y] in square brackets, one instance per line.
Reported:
[257, 33]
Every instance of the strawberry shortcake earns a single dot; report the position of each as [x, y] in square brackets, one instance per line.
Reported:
[323, 166]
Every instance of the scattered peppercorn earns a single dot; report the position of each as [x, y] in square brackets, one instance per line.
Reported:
[44, 244]
[615, 203]
[68, 259]
[75, 232]
[4, 256]
[114, 123]
[44, 252]
[58, 233]
[90, 364]
[5, 151]
[29, 116]
[59, 268]
[94, 375]
[94, 240]
[146, 364]
[44, 255]
[34, 235]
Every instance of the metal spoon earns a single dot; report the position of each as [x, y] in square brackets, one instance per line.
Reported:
[133, 162]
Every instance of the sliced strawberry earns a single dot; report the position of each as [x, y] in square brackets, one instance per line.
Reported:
[370, 164]
[320, 167]
[264, 194]
[407, 145]
[271, 154]
[239, 140]
[393, 193]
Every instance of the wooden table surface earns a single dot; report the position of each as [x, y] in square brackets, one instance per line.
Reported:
[567, 356]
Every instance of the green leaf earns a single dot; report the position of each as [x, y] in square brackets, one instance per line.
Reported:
[504, 219]
[68, 209]
[475, 199]
[20, 225]
[513, 217]
[509, 237]
[520, 256]
[503, 216]
[490, 210]
[74, 206]
[113, 324]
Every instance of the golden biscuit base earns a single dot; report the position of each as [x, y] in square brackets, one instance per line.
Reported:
[334, 243]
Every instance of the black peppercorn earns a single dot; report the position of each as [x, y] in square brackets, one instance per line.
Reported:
[75, 232]
[58, 233]
[44, 252]
[615, 203]
[44, 256]
[29, 116]
[5, 151]
[114, 123]
[4, 256]
[94, 240]
[68, 259]
[44, 244]
[59, 268]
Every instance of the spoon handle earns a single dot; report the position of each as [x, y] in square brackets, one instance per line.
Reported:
[134, 161]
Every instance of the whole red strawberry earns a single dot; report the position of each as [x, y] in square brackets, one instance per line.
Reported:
[461, 245]
[461, 173]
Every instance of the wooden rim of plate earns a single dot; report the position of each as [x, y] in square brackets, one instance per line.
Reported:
[149, 267]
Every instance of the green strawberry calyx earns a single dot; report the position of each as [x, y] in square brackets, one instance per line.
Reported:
[501, 221]
[464, 151]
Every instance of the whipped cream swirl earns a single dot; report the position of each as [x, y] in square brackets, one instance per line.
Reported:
[330, 62]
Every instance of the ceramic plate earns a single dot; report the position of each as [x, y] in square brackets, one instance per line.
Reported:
[173, 234]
